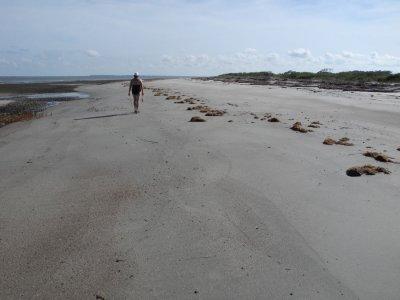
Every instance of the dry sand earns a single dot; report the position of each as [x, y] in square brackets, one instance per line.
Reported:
[153, 206]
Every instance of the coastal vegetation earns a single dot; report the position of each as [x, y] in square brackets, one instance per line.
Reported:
[323, 75]
[368, 81]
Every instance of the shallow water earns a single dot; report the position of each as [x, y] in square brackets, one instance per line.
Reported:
[55, 96]
[48, 96]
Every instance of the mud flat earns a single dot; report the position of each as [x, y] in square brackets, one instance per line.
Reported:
[99, 202]
[22, 102]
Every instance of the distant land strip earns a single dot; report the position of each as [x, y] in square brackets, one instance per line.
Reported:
[367, 81]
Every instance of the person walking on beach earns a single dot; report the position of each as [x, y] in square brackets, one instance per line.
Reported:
[136, 86]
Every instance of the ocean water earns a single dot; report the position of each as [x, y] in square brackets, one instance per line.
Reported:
[70, 95]
[55, 79]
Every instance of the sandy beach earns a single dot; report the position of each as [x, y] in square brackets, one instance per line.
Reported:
[100, 203]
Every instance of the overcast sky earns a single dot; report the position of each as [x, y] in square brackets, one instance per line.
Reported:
[196, 37]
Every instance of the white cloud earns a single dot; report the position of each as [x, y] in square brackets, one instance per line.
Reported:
[350, 60]
[272, 57]
[249, 59]
[250, 51]
[196, 60]
[167, 59]
[363, 60]
[300, 53]
[374, 55]
[385, 60]
[92, 53]
[348, 54]
[332, 58]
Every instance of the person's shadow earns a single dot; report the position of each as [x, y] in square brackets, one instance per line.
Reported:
[104, 116]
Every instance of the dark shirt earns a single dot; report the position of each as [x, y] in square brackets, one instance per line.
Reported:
[136, 86]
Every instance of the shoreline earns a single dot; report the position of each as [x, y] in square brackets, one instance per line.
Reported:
[16, 105]
[23, 101]
[51, 87]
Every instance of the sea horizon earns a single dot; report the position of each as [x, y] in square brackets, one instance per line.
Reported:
[61, 78]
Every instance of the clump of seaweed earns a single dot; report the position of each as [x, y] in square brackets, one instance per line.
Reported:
[273, 120]
[378, 156]
[329, 141]
[208, 111]
[343, 141]
[366, 170]
[198, 107]
[299, 128]
[266, 116]
[197, 119]
[215, 113]
[190, 100]
[315, 124]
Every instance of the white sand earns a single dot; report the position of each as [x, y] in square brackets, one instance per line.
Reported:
[211, 210]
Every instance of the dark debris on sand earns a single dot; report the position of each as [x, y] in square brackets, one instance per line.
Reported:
[299, 128]
[197, 119]
[315, 124]
[378, 156]
[366, 170]
[215, 113]
[343, 141]
[208, 111]
[273, 120]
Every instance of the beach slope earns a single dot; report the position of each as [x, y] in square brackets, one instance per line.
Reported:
[98, 202]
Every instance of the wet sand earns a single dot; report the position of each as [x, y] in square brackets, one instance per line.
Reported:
[154, 206]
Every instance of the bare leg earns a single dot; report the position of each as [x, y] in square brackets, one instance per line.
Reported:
[136, 102]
